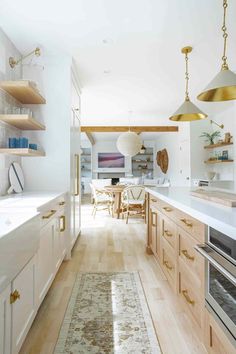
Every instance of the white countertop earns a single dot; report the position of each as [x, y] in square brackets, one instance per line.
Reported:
[215, 215]
[31, 200]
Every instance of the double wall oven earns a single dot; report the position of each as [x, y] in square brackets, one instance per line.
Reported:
[219, 252]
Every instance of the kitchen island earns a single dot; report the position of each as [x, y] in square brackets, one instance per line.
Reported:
[177, 225]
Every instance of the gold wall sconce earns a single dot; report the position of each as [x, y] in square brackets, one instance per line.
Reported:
[13, 62]
[221, 126]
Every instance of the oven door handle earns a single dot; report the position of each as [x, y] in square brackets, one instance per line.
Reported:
[217, 265]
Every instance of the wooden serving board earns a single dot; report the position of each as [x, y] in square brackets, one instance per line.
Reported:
[224, 198]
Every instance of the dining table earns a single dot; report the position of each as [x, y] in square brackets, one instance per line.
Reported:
[116, 191]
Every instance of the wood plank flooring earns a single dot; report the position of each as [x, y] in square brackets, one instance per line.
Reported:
[108, 244]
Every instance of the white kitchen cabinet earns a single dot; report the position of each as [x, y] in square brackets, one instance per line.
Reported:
[45, 261]
[5, 321]
[23, 304]
[75, 177]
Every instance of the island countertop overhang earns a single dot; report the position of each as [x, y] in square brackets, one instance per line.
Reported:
[215, 215]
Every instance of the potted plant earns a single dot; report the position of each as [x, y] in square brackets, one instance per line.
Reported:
[210, 137]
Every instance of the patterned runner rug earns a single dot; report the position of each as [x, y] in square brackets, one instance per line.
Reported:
[107, 313]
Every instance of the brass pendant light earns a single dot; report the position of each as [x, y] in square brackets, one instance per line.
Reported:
[223, 86]
[187, 112]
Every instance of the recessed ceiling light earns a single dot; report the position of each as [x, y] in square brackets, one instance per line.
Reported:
[107, 41]
[106, 71]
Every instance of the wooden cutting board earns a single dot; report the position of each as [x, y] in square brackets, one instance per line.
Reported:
[224, 198]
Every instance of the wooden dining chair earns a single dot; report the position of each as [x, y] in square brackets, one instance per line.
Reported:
[103, 200]
[133, 201]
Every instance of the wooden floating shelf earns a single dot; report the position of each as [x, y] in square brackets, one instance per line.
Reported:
[217, 145]
[218, 161]
[22, 152]
[22, 121]
[24, 91]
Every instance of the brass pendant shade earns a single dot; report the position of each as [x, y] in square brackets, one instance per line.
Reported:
[187, 112]
[223, 86]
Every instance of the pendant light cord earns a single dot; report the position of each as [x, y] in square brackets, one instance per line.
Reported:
[186, 78]
[225, 35]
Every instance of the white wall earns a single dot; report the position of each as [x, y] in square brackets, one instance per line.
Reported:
[7, 49]
[225, 113]
[52, 171]
[169, 141]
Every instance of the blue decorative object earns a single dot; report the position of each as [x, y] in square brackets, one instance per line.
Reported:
[33, 146]
[12, 143]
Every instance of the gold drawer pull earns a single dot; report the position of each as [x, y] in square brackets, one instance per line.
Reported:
[49, 214]
[186, 222]
[154, 224]
[153, 200]
[14, 296]
[187, 255]
[167, 265]
[63, 219]
[168, 233]
[62, 203]
[190, 301]
[167, 209]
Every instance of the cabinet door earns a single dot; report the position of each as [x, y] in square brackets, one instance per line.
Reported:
[23, 301]
[45, 270]
[5, 321]
[75, 171]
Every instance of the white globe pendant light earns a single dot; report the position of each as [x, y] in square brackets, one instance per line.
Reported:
[129, 143]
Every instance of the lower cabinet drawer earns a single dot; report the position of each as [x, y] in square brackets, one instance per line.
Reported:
[194, 227]
[168, 231]
[193, 261]
[192, 297]
[168, 263]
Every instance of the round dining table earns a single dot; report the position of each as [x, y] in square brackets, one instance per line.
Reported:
[116, 190]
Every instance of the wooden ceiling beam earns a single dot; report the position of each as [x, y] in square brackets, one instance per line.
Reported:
[90, 138]
[137, 129]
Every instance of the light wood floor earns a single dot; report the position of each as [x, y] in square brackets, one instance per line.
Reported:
[108, 244]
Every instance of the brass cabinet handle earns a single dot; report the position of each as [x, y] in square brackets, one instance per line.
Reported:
[187, 255]
[77, 178]
[49, 214]
[62, 203]
[63, 219]
[188, 299]
[167, 209]
[14, 296]
[167, 265]
[153, 200]
[186, 222]
[168, 233]
[154, 224]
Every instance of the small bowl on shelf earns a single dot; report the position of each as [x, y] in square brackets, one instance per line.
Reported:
[210, 175]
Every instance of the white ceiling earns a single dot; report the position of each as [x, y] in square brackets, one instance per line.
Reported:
[142, 52]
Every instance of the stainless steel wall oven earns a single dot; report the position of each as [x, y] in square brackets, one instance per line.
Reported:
[219, 252]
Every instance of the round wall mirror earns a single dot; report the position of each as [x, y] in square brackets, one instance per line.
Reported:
[16, 178]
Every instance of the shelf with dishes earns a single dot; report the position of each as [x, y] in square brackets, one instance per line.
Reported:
[217, 161]
[218, 145]
[24, 91]
[22, 152]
